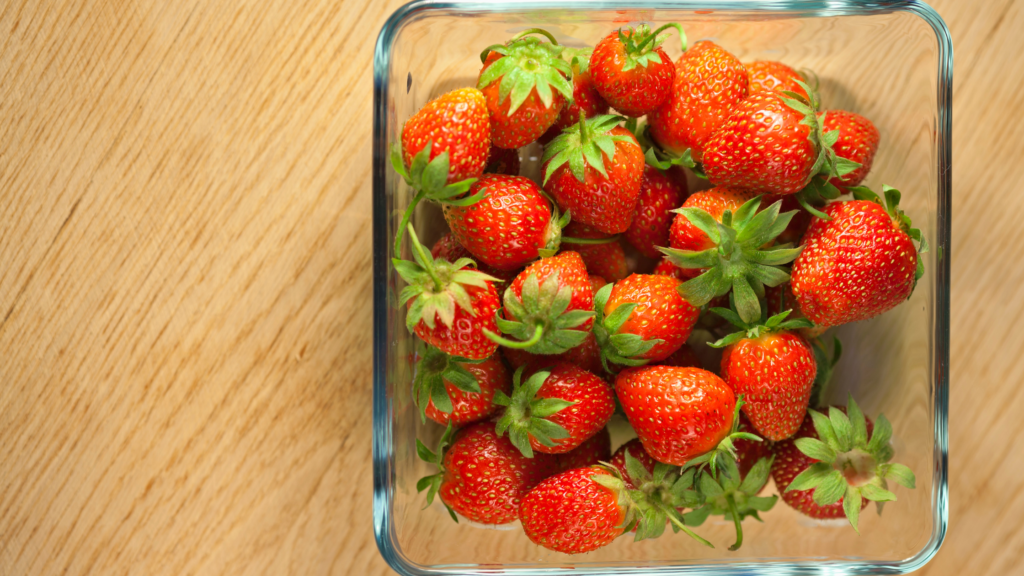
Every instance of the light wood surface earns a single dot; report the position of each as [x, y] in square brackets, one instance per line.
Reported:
[185, 287]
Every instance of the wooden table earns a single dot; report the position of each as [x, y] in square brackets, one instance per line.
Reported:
[185, 287]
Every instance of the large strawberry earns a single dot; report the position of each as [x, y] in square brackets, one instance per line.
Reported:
[709, 82]
[555, 410]
[549, 306]
[836, 463]
[444, 149]
[773, 142]
[602, 254]
[731, 253]
[491, 498]
[448, 248]
[641, 319]
[585, 98]
[773, 368]
[659, 195]
[593, 170]
[631, 71]
[451, 305]
[452, 389]
[860, 263]
[524, 83]
[511, 224]
[678, 413]
[769, 76]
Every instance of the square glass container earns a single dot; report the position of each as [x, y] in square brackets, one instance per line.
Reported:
[890, 61]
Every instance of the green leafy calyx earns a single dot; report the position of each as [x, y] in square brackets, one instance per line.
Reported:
[734, 497]
[640, 44]
[584, 144]
[726, 449]
[527, 64]
[526, 415]
[658, 498]
[850, 465]
[738, 260]
[432, 483]
[620, 348]
[432, 371]
[755, 330]
[541, 322]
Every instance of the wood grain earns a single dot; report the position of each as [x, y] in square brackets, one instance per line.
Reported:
[185, 287]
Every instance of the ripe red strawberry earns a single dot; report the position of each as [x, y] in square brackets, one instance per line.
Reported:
[491, 498]
[844, 459]
[509, 226]
[631, 71]
[502, 161]
[773, 368]
[678, 413]
[769, 76]
[572, 513]
[859, 264]
[549, 306]
[596, 449]
[451, 306]
[587, 356]
[448, 248]
[709, 82]
[642, 318]
[858, 141]
[524, 83]
[597, 282]
[455, 123]
[603, 255]
[555, 410]
[683, 235]
[659, 195]
[599, 189]
[665, 267]
[452, 389]
[584, 99]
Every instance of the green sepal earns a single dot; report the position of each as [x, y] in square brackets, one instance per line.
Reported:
[432, 483]
[639, 46]
[658, 497]
[541, 322]
[621, 348]
[586, 143]
[752, 331]
[528, 63]
[725, 493]
[432, 371]
[526, 416]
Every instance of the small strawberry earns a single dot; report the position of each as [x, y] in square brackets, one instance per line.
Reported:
[525, 86]
[602, 254]
[451, 306]
[596, 449]
[587, 356]
[510, 226]
[555, 410]
[593, 170]
[502, 161]
[860, 263]
[732, 494]
[858, 141]
[452, 389]
[448, 248]
[549, 306]
[631, 71]
[491, 498]
[709, 82]
[771, 76]
[585, 98]
[642, 318]
[836, 463]
[659, 195]
[731, 253]
[678, 413]
[597, 282]
[772, 367]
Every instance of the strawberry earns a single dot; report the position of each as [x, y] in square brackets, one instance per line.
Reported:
[732, 494]
[593, 170]
[768, 76]
[549, 306]
[684, 235]
[709, 82]
[665, 267]
[748, 452]
[659, 195]
[631, 71]
[502, 161]
[635, 448]
[584, 99]
[448, 248]
[452, 389]
[597, 282]
[596, 449]
[731, 253]
[587, 356]
[525, 86]
[858, 141]
[602, 254]
[451, 306]
[773, 368]
[555, 410]
[860, 263]
[509, 226]
[678, 413]
[844, 459]
[774, 142]
[642, 318]
[490, 498]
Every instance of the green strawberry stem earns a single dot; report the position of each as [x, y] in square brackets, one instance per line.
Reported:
[538, 333]
[428, 263]
[736, 521]
[678, 524]
[653, 35]
[589, 241]
[405, 222]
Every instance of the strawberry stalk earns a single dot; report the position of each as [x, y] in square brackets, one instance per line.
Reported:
[733, 496]
[754, 330]
[640, 53]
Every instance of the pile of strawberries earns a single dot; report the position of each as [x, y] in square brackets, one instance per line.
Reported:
[604, 286]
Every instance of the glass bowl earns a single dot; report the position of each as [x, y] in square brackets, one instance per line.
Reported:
[889, 61]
